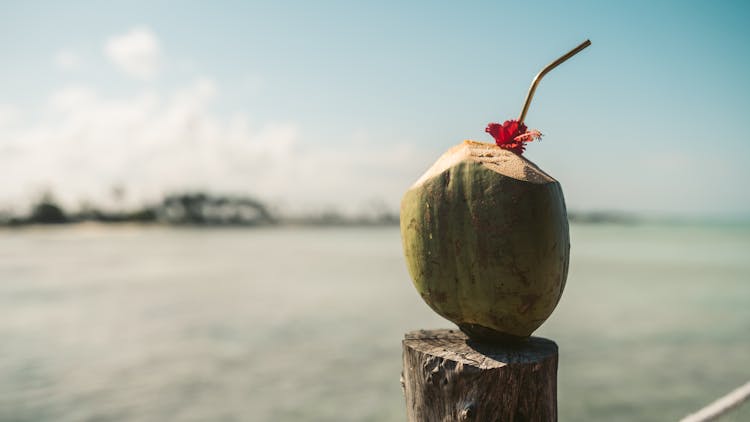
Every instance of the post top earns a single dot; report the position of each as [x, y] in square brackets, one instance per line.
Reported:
[456, 346]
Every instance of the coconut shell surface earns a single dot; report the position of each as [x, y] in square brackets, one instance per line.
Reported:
[485, 234]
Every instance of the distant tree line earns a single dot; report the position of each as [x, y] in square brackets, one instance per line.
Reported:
[196, 209]
[207, 209]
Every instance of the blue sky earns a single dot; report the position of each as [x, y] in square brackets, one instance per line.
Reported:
[318, 105]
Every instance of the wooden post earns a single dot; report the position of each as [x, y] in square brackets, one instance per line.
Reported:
[449, 377]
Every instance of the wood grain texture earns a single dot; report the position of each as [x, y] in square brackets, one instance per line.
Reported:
[449, 377]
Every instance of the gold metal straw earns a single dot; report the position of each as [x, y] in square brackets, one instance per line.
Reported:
[546, 70]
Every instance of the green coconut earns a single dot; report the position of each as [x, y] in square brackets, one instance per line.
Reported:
[485, 234]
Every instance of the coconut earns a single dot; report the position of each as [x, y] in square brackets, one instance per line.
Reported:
[485, 234]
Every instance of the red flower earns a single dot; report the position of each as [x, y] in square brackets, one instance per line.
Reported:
[511, 135]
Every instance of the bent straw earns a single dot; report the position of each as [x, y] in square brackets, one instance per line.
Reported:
[546, 70]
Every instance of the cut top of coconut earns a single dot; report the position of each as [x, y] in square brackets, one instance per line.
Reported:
[491, 156]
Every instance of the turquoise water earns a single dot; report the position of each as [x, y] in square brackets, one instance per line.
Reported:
[143, 324]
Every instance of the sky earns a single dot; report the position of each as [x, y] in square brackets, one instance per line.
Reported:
[316, 106]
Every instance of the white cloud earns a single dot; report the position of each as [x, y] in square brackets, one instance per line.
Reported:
[67, 60]
[80, 144]
[152, 142]
[136, 52]
[8, 115]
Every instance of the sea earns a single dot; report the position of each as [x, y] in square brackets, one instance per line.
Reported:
[154, 323]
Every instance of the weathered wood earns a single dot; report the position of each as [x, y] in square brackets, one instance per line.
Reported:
[449, 377]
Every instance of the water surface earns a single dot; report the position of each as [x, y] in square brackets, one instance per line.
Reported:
[137, 323]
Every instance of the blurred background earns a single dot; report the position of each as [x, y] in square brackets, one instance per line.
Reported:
[199, 201]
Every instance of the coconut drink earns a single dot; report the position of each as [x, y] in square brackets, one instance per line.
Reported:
[485, 233]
